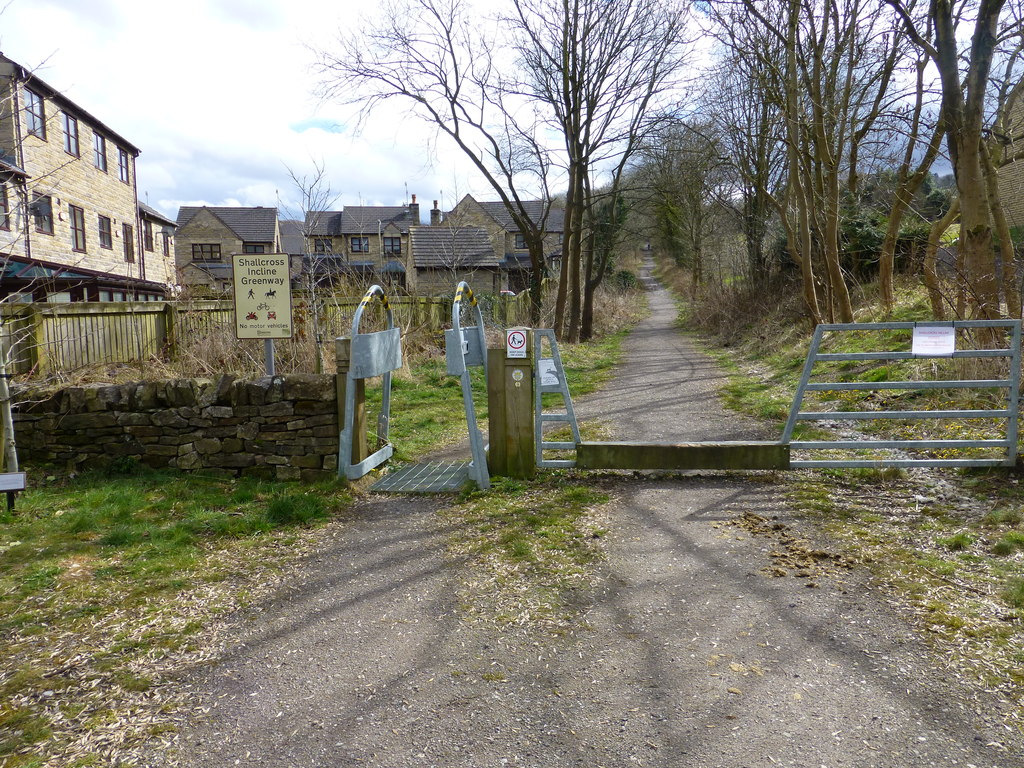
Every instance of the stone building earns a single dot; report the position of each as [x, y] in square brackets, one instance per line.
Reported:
[444, 255]
[506, 238]
[369, 243]
[69, 212]
[207, 237]
[1011, 176]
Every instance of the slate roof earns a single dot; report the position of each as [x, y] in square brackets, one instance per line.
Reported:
[535, 209]
[292, 241]
[153, 213]
[360, 220]
[449, 247]
[253, 225]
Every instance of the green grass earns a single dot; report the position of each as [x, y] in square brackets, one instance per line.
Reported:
[102, 549]
[533, 543]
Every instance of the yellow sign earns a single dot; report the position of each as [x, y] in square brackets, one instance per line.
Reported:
[263, 297]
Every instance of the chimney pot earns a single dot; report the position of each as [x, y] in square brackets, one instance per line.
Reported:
[414, 199]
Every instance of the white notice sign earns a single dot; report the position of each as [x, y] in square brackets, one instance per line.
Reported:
[934, 341]
[263, 297]
[515, 343]
[548, 372]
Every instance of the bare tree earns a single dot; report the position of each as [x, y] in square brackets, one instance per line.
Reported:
[967, 94]
[441, 63]
[606, 73]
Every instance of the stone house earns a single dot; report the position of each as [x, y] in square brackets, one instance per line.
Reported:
[70, 226]
[157, 235]
[369, 243]
[207, 237]
[1011, 176]
[443, 255]
[506, 239]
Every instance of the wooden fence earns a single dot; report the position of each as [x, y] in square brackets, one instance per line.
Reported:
[42, 338]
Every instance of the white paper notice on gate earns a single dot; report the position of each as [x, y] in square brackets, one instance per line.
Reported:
[548, 372]
[931, 341]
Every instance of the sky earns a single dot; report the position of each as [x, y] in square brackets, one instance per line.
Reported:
[219, 97]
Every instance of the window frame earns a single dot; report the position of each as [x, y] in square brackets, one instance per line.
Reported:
[99, 151]
[123, 171]
[520, 242]
[147, 235]
[35, 122]
[5, 209]
[259, 248]
[167, 242]
[323, 245]
[359, 244]
[106, 233]
[71, 134]
[388, 244]
[42, 224]
[203, 248]
[128, 235]
[76, 221]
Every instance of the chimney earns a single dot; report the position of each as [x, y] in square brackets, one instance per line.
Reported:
[414, 212]
[435, 215]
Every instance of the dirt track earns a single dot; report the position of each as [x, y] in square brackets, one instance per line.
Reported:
[691, 654]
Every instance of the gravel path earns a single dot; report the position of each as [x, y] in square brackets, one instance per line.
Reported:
[690, 654]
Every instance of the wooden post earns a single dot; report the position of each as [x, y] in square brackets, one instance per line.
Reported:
[510, 413]
[38, 357]
[171, 330]
[343, 357]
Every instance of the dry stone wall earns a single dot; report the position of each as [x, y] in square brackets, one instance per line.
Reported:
[282, 427]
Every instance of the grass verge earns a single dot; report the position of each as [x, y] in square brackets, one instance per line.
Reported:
[106, 582]
[531, 547]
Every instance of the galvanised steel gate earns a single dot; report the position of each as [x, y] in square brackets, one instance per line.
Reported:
[1011, 384]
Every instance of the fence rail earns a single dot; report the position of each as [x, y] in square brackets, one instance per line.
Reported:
[42, 338]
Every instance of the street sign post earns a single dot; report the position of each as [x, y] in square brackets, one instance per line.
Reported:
[263, 299]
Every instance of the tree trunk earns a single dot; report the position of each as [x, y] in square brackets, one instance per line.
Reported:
[931, 275]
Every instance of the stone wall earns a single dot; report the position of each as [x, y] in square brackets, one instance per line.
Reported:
[282, 427]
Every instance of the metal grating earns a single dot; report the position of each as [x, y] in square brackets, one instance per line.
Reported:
[429, 477]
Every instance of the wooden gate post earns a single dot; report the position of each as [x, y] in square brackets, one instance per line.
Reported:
[343, 359]
[510, 412]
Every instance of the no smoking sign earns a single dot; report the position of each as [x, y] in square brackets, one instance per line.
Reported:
[515, 343]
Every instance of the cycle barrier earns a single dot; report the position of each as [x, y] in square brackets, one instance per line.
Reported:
[366, 356]
[465, 348]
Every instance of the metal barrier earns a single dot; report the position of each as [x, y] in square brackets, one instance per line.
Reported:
[373, 354]
[1009, 413]
[550, 379]
[465, 348]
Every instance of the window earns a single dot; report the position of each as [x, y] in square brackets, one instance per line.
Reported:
[167, 243]
[106, 233]
[99, 152]
[42, 214]
[147, 235]
[70, 135]
[205, 252]
[393, 245]
[77, 216]
[5, 211]
[128, 235]
[253, 248]
[35, 114]
[360, 245]
[122, 166]
[322, 245]
[520, 241]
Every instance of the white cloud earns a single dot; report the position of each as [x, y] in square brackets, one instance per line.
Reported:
[217, 95]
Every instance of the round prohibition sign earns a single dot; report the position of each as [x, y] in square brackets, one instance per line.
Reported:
[516, 340]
